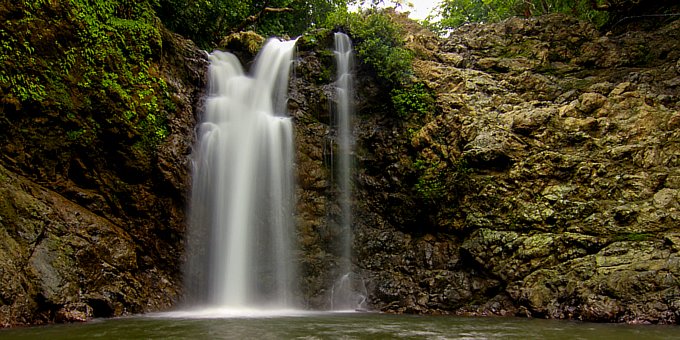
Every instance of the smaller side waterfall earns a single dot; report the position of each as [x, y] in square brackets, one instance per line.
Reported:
[345, 293]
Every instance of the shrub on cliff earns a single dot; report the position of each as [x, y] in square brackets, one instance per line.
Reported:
[86, 71]
[413, 98]
[378, 41]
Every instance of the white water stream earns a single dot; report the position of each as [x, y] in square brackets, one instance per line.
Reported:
[240, 236]
[348, 292]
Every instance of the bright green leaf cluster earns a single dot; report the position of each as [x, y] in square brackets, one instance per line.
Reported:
[379, 42]
[431, 183]
[412, 99]
[93, 61]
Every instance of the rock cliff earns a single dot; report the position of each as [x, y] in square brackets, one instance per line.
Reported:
[91, 219]
[544, 183]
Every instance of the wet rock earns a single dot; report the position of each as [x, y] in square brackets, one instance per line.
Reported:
[62, 254]
[77, 312]
[624, 282]
[590, 102]
[567, 156]
[531, 121]
[244, 44]
[492, 149]
[96, 230]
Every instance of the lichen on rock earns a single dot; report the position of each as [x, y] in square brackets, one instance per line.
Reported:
[569, 144]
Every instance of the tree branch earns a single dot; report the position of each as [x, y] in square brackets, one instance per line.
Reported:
[600, 7]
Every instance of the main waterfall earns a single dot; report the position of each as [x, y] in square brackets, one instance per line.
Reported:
[241, 233]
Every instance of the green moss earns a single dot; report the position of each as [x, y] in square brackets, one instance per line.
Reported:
[412, 99]
[437, 179]
[430, 184]
[634, 237]
[314, 39]
[92, 60]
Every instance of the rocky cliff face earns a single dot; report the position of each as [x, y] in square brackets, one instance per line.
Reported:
[89, 227]
[544, 183]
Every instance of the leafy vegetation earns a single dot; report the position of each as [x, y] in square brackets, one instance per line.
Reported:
[438, 177]
[207, 21]
[378, 41]
[431, 183]
[89, 63]
[457, 12]
[413, 98]
[633, 237]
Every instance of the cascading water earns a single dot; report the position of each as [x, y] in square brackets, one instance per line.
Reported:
[345, 292]
[240, 229]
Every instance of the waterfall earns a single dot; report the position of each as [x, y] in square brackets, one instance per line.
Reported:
[240, 236]
[345, 94]
[345, 293]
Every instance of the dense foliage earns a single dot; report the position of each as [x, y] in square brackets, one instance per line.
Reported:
[378, 41]
[457, 12]
[207, 21]
[412, 98]
[100, 78]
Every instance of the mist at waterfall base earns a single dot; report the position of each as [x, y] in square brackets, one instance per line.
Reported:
[240, 233]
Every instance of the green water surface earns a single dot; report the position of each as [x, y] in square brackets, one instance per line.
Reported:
[339, 326]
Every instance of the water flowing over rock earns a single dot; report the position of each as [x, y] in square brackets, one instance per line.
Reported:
[240, 231]
[544, 183]
[348, 291]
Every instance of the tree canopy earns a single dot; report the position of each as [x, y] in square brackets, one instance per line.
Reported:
[454, 13]
[207, 21]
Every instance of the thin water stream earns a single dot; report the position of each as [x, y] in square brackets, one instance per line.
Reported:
[338, 326]
[348, 291]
